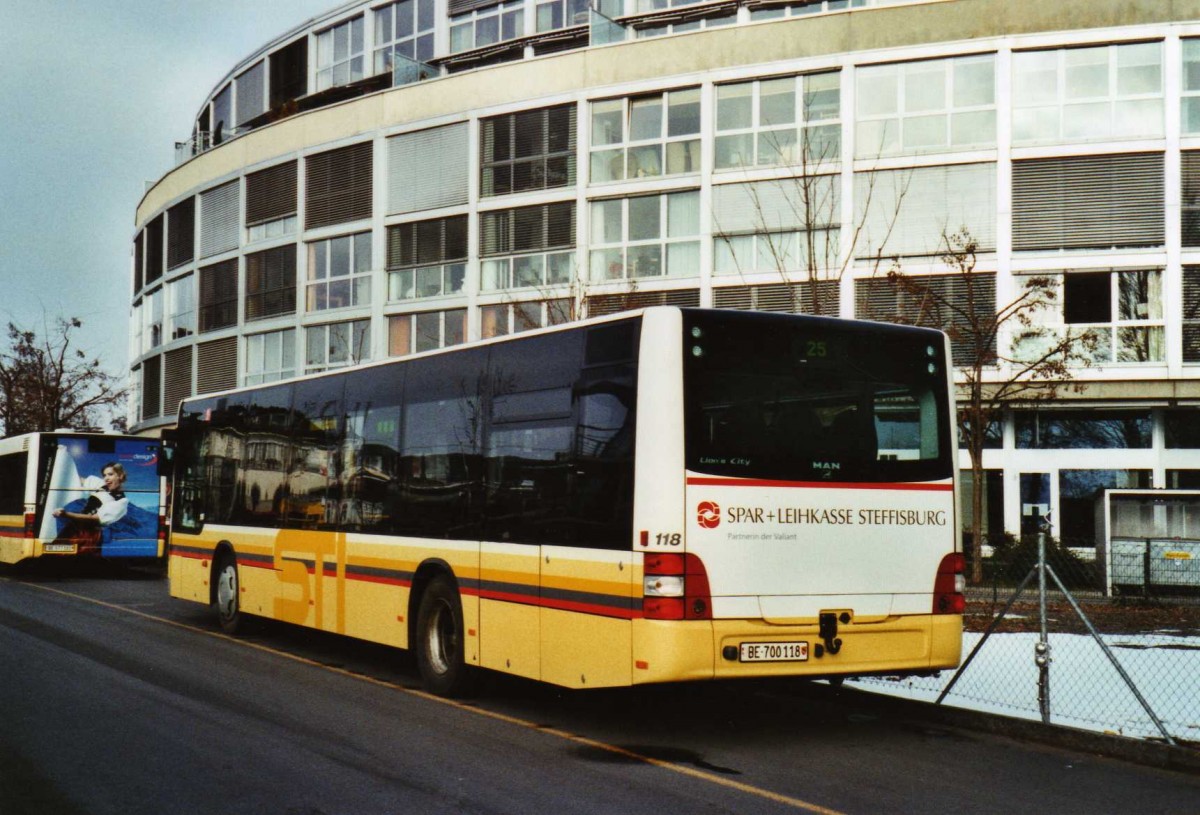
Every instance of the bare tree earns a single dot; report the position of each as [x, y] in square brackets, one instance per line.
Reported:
[1003, 354]
[47, 383]
[807, 202]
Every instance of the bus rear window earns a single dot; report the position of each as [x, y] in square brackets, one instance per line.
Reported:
[793, 398]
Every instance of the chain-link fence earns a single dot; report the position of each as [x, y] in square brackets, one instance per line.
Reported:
[1120, 654]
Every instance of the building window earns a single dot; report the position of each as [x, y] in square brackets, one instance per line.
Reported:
[646, 236]
[513, 318]
[1191, 314]
[152, 313]
[949, 302]
[517, 246]
[181, 233]
[220, 214]
[1077, 494]
[427, 258]
[154, 250]
[1121, 310]
[338, 186]
[786, 225]
[792, 120]
[558, 14]
[271, 202]
[646, 136]
[426, 331]
[1078, 94]
[1088, 202]
[271, 283]
[696, 24]
[1083, 430]
[487, 26]
[528, 271]
[922, 107]
[340, 54]
[181, 307]
[270, 357]
[810, 297]
[336, 345]
[339, 272]
[251, 87]
[219, 296]
[404, 30]
[428, 169]
[530, 150]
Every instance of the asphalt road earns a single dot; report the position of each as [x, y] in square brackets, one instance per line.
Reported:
[115, 698]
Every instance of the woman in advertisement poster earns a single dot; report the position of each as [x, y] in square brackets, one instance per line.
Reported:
[105, 506]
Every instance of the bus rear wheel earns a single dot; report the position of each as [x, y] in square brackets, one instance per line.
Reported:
[227, 594]
[440, 642]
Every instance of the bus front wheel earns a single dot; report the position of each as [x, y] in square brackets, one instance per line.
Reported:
[227, 594]
[440, 645]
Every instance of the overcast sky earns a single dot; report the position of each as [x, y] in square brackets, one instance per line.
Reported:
[93, 96]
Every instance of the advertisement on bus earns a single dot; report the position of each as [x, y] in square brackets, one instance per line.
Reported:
[100, 496]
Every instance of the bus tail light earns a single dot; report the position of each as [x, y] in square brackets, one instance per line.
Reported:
[29, 524]
[950, 584]
[675, 587]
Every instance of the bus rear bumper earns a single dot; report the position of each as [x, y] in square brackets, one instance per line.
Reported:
[727, 649]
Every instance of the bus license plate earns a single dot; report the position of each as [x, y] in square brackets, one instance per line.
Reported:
[59, 547]
[773, 652]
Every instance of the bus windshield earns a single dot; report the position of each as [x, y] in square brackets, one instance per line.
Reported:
[815, 399]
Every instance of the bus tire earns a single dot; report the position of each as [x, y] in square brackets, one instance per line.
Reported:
[227, 594]
[440, 641]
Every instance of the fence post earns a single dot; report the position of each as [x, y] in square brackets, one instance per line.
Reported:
[1041, 651]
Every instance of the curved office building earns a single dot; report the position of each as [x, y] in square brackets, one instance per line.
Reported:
[392, 177]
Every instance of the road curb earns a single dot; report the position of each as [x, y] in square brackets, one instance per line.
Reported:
[1146, 752]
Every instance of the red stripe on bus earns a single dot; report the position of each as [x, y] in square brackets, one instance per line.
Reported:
[697, 481]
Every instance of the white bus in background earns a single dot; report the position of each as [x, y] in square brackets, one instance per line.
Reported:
[662, 495]
[81, 495]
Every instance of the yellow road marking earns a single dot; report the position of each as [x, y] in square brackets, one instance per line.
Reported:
[466, 708]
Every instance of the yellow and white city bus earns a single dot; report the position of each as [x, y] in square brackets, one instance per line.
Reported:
[662, 495]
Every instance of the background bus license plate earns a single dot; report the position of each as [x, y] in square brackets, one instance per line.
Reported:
[773, 652]
[58, 547]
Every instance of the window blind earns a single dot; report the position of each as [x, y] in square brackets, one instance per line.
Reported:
[151, 387]
[177, 379]
[271, 193]
[1190, 193]
[784, 205]
[138, 260]
[271, 283]
[810, 297]
[1088, 202]
[528, 150]
[1191, 314]
[908, 212]
[216, 365]
[463, 6]
[601, 304]
[428, 169]
[154, 250]
[338, 186]
[527, 229]
[421, 243]
[933, 301]
[181, 233]
[218, 295]
[251, 93]
[219, 228]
